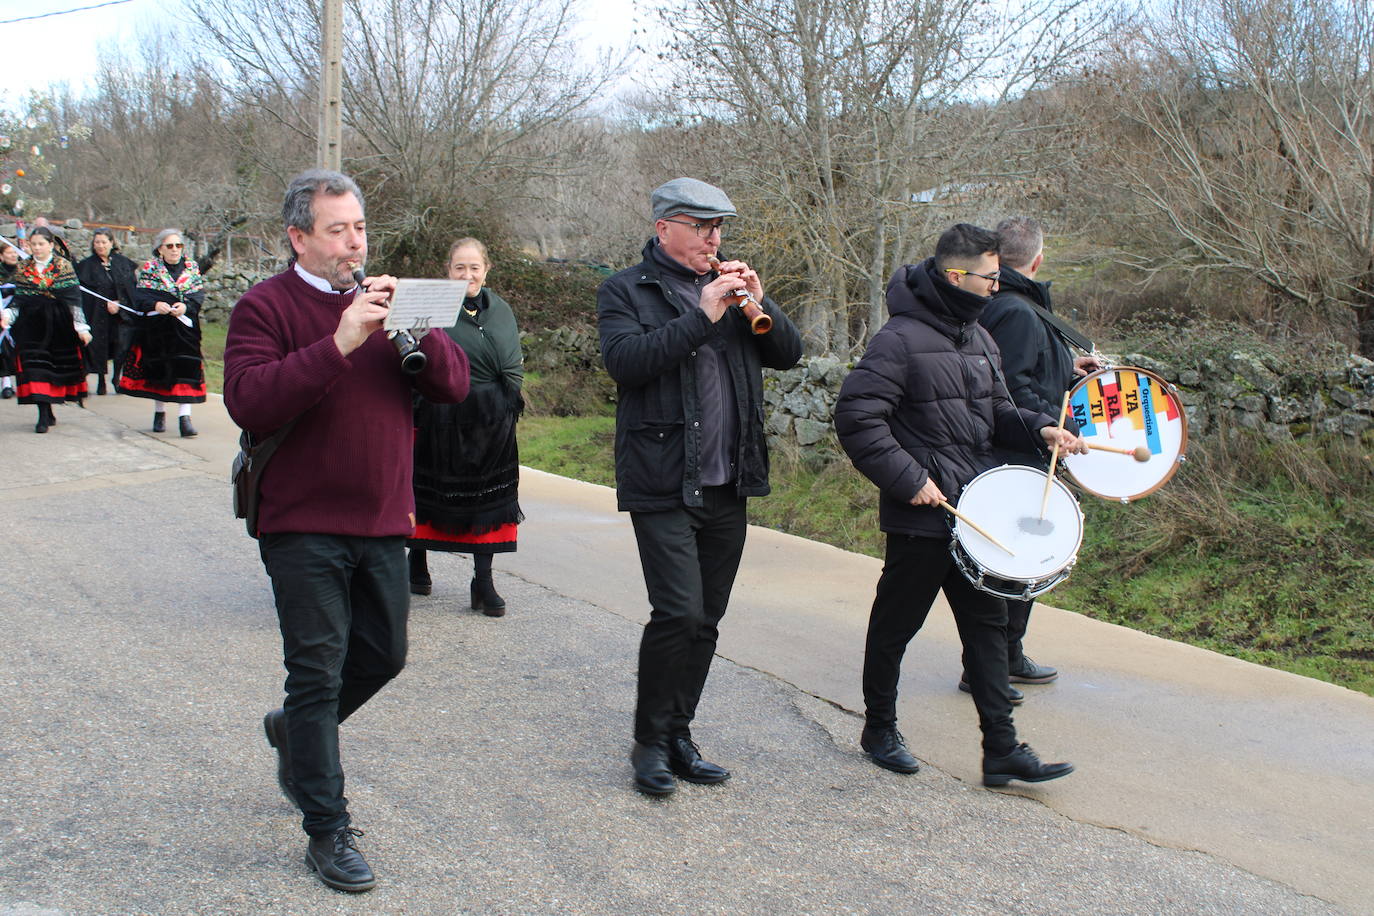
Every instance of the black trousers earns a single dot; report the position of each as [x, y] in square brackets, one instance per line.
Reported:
[1018, 619]
[689, 557]
[342, 603]
[914, 571]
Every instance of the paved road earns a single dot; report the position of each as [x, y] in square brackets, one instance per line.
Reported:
[491, 777]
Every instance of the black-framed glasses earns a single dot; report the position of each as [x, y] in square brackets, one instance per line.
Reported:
[703, 230]
[994, 277]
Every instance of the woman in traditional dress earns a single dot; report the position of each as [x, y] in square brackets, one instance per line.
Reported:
[164, 362]
[109, 276]
[48, 328]
[467, 466]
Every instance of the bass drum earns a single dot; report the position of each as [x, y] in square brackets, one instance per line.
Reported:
[1125, 407]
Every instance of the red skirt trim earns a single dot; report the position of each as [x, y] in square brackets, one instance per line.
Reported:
[181, 390]
[498, 540]
[52, 392]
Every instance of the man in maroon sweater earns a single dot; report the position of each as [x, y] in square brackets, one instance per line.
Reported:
[336, 504]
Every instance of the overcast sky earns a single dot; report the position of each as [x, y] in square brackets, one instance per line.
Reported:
[64, 48]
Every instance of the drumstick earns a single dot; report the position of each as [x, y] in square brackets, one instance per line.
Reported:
[968, 521]
[1139, 453]
[1054, 459]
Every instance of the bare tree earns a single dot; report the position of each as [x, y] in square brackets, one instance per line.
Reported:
[444, 101]
[833, 114]
[1252, 136]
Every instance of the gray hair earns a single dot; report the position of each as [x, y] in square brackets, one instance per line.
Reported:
[1021, 238]
[298, 207]
[163, 236]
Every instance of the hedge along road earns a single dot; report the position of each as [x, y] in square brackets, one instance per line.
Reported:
[492, 776]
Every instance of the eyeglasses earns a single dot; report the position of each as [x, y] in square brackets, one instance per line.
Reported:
[994, 277]
[703, 230]
[173, 244]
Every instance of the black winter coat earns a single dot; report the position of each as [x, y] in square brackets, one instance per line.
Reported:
[649, 338]
[115, 281]
[1037, 363]
[923, 402]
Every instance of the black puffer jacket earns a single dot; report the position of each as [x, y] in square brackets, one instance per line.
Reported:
[1037, 363]
[649, 338]
[923, 401]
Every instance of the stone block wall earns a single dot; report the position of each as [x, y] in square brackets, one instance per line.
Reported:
[1239, 389]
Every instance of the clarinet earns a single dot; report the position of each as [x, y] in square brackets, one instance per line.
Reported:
[413, 359]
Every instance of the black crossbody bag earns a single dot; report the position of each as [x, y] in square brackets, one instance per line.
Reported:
[246, 474]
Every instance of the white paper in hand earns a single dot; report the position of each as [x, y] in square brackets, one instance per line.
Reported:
[425, 304]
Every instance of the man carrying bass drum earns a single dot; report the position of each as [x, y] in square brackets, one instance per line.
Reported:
[1038, 367]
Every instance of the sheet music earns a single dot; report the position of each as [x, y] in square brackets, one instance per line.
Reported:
[425, 304]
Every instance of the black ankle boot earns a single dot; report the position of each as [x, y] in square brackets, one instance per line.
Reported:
[42, 425]
[485, 599]
[420, 582]
[187, 430]
[100, 386]
[159, 421]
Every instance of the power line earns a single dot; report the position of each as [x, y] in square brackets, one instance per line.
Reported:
[80, 9]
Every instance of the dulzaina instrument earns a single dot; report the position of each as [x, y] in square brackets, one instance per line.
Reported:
[1018, 549]
[1126, 411]
[759, 322]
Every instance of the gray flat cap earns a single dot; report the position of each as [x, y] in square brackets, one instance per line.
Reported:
[690, 197]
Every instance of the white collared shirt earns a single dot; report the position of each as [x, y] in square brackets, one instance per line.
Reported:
[320, 283]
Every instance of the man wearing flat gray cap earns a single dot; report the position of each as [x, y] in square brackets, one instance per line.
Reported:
[689, 451]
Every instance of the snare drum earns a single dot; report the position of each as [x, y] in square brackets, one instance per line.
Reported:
[1127, 407]
[1005, 502]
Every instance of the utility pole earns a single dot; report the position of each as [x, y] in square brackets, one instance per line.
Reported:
[329, 150]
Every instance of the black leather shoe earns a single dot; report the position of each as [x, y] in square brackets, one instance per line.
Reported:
[187, 430]
[1021, 764]
[652, 774]
[1017, 697]
[1028, 672]
[420, 582]
[160, 421]
[7, 393]
[684, 759]
[274, 723]
[887, 748]
[336, 859]
[100, 386]
[40, 427]
[485, 599]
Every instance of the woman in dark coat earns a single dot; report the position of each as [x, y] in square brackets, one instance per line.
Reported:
[9, 266]
[110, 277]
[467, 466]
[48, 328]
[164, 361]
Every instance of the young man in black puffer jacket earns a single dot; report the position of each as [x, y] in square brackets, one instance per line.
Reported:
[919, 416]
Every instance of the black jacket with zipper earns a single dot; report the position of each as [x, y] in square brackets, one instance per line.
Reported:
[649, 338]
[924, 402]
[1037, 362]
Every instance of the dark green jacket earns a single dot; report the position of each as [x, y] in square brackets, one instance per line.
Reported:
[492, 343]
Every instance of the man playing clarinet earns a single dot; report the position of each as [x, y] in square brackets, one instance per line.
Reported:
[336, 500]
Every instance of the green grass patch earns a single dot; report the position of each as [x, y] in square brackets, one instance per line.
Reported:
[212, 334]
[578, 447]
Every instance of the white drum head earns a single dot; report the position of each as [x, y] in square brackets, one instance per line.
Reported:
[1005, 502]
[1126, 408]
